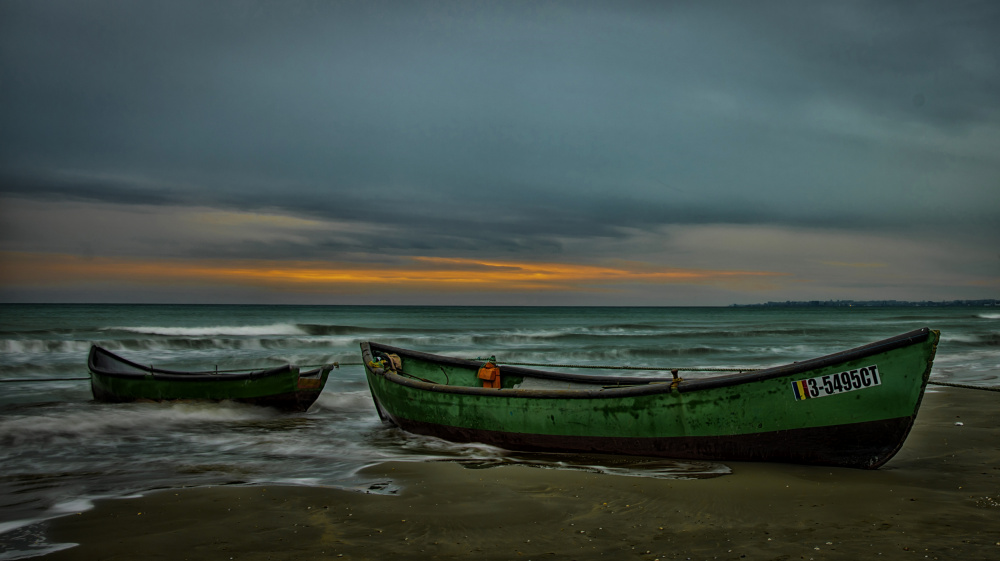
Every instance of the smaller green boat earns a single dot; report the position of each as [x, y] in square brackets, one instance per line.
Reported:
[115, 379]
[853, 408]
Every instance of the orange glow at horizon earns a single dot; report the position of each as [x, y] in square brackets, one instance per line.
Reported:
[417, 273]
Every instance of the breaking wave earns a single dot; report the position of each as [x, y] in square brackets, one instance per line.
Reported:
[218, 331]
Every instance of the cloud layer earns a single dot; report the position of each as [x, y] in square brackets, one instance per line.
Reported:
[659, 133]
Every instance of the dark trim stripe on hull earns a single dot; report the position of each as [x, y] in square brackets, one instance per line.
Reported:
[865, 445]
[297, 401]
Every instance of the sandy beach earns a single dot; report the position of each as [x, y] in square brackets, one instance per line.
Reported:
[939, 498]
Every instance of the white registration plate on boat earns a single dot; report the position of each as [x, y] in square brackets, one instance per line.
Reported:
[832, 384]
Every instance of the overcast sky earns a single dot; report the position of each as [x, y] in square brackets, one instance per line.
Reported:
[632, 153]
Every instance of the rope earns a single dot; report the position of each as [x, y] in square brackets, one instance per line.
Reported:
[408, 375]
[301, 366]
[697, 369]
[623, 367]
[966, 386]
[606, 367]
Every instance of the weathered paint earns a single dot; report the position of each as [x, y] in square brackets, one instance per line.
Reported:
[752, 416]
[114, 379]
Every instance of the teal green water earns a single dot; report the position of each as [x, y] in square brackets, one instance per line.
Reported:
[61, 450]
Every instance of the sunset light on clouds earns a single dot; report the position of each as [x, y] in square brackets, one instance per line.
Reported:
[420, 274]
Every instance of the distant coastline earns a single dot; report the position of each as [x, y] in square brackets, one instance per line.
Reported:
[869, 304]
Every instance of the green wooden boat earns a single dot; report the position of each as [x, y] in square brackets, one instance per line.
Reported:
[853, 408]
[116, 379]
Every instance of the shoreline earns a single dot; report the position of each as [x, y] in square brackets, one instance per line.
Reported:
[939, 498]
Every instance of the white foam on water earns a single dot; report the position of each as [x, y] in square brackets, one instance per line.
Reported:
[15, 524]
[37, 550]
[134, 419]
[218, 330]
[297, 481]
[346, 401]
[662, 470]
[37, 346]
[968, 338]
[20, 540]
[72, 506]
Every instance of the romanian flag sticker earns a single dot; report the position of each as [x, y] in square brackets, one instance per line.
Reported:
[833, 384]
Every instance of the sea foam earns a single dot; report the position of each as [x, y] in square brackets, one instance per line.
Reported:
[219, 330]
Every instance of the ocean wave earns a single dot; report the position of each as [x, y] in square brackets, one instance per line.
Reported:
[317, 329]
[181, 344]
[77, 425]
[988, 316]
[358, 401]
[638, 335]
[988, 339]
[270, 330]
[41, 346]
[36, 370]
[16, 333]
[274, 329]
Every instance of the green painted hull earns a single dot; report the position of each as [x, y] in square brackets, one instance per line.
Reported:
[852, 408]
[115, 379]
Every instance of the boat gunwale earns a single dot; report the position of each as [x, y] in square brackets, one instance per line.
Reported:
[637, 386]
[166, 375]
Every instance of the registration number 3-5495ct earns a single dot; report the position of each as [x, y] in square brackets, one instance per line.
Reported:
[832, 384]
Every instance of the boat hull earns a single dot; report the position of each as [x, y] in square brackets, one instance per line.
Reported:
[758, 416]
[862, 445]
[114, 379]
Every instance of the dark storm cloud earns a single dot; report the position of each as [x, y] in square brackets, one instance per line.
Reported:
[930, 61]
[504, 127]
[86, 187]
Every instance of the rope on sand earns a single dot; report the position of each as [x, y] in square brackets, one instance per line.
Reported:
[966, 386]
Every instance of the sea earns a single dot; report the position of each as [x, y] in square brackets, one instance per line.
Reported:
[60, 450]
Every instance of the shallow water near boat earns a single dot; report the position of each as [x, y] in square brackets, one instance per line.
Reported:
[938, 500]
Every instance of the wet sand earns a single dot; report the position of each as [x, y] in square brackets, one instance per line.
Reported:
[939, 498]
